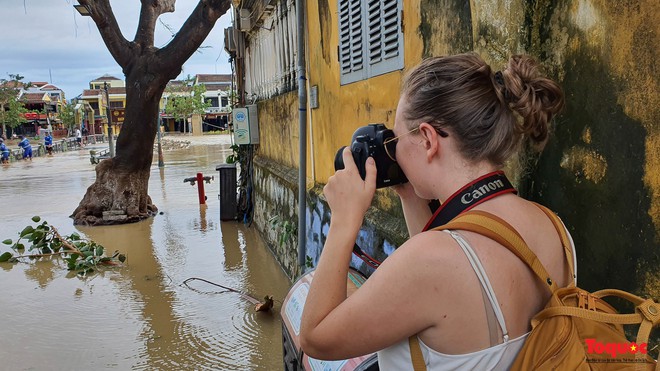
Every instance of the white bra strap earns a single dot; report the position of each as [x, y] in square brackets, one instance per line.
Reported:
[483, 279]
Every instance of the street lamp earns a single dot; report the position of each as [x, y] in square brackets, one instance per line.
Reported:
[83, 10]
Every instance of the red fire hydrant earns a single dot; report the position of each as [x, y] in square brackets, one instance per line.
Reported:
[200, 179]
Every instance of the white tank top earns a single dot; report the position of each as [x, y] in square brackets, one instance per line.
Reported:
[497, 357]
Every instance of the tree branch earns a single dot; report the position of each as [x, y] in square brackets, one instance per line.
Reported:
[193, 32]
[149, 13]
[102, 15]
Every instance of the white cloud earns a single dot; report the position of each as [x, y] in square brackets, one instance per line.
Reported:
[44, 38]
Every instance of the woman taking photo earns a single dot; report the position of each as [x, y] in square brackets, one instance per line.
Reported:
[457, 122]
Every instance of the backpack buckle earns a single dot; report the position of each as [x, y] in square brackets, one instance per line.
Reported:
[586, 301]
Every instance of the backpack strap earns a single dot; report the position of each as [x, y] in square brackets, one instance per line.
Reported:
[416, 354]
[565, 241]
[497, 229]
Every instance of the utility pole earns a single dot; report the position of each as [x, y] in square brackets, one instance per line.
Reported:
[161, 163]
[111, 140]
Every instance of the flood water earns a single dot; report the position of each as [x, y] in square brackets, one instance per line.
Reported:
[138, 316]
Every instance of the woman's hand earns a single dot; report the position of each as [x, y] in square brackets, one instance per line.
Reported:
[347, 194]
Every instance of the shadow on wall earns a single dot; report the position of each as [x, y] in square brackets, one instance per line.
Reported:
[591, 173]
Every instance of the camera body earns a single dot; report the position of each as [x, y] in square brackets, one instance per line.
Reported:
[369, 141]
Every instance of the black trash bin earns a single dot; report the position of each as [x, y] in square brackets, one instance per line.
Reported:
[227, 196]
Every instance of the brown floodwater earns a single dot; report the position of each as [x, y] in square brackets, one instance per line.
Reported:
[138, 316]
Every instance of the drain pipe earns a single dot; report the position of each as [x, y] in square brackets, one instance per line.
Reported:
[302, 118]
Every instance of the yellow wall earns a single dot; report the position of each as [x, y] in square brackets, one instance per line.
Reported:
[278, 129]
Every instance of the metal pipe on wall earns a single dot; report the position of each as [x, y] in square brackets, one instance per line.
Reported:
[302, 117]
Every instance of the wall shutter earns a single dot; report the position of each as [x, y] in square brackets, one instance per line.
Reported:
[351, 41]
[370, 38]
[385, 37]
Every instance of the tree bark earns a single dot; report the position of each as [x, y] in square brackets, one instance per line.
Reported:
[119, 194]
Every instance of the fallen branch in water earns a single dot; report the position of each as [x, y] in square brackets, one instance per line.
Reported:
[44, 240]
[259, 306]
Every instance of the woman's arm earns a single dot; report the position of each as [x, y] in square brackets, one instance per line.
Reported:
[349, 197]
[379, 313]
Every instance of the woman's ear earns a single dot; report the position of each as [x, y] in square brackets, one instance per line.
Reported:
[431, 140]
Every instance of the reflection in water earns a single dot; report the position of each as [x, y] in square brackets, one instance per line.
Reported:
[41, 272]
[138, 316]
[233, 246]
[163, 189]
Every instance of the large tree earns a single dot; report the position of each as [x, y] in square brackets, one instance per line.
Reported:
[119, 194]
[11, 109]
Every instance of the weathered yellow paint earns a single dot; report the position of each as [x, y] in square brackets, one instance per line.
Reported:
[585, 163]
[278, 129]
[586, 135]
[496, 29]
[632, 50]
[652, 175]
[652, 284]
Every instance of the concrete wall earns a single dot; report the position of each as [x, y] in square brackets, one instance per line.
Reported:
[600, 171]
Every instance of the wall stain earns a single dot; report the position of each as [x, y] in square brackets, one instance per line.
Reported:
[326, 29]
[584, 163]
[609, 218]
[446, 27]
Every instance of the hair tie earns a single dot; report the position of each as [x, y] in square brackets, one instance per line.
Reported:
[499, 79]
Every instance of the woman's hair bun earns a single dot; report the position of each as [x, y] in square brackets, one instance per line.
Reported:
[533, 96]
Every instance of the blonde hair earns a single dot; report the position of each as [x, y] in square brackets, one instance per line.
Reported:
[488, 113]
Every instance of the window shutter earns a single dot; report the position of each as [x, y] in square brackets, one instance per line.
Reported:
[385, 37]
[370, 38]
[351, 44]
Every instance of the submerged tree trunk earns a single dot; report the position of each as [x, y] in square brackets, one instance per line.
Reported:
[119, 194]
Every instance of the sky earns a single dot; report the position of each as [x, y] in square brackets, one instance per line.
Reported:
[48, 40]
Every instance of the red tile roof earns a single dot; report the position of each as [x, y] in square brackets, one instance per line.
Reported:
[106, 78]
[216, 87]
[202, 79]
[91, 92]
[33, 97]
[50, 87]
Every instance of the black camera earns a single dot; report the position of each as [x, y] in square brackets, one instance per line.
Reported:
[372, 140]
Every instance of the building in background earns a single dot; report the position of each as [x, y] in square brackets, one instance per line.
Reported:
[217, 93]
[96, 98]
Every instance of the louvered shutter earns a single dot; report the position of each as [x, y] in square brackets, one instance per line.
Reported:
[351, 41]
[370, 38]
[385, 40]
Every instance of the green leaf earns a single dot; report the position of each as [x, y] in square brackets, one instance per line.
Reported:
[27, 231]
[7, 242]
[74, 236]
[99, 251]
[20, 246]
[122, 258]
[6, 256]
[36, 219]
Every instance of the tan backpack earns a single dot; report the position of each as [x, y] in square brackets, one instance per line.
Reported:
[576, 330]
